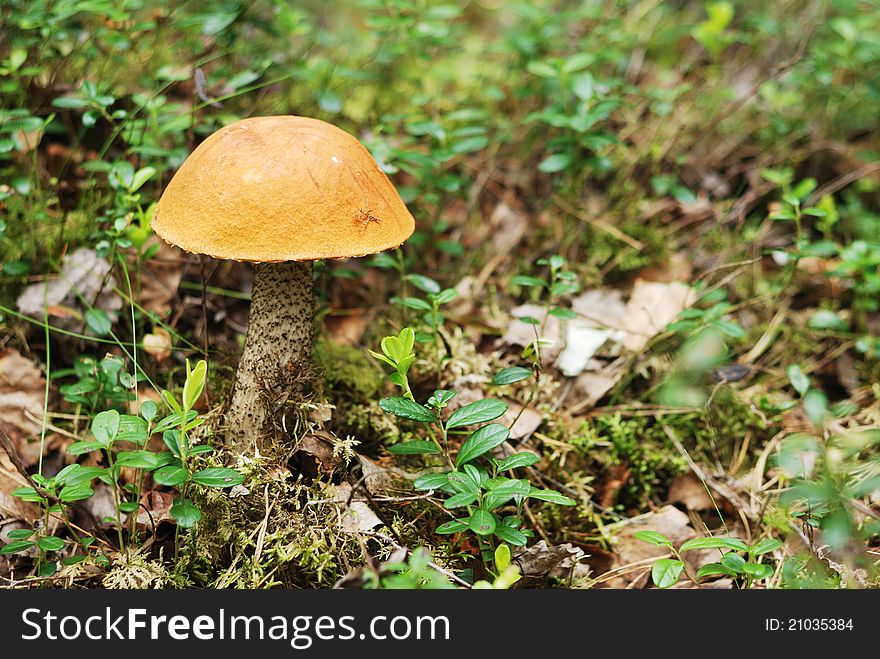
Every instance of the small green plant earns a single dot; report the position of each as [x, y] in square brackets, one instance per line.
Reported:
[560, 283]
[506, 574]
[472, 481]
[434, 298]
[121, 441]
[415, 573]
[100, 384]
[826, 480]
[739, 561]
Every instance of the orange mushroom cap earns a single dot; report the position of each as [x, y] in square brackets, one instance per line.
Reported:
[282, 189]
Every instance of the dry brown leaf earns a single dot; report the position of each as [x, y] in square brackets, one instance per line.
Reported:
[689, 491]
[603, 306]
[591, 386]
[157, 344]
[508, 227]
[84, 276]
[13, 509]
[651, 307]
[356, 515]
[159, 506]
[540, 559]
[22, 393]
[377, 479]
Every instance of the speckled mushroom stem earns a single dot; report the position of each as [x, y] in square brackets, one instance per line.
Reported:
[276, 352]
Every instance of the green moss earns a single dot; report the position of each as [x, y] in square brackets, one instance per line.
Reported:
[347, 370]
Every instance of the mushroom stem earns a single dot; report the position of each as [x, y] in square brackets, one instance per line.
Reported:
[276, 352]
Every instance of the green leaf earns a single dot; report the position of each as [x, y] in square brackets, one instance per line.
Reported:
[798, 379]
[827, 320]
[149, 410]
[758, 570]
[714, 543]
[407, 409]
[511, 535]
[815, 405]
[482, 522]
[218, 477]
[431, 482]
[105, 425]
[76, 492]
[525, 280]
[195, 383]
[461, 482]
[98, 321]
[564, 314]
[481, 441]
[171, 476]
[128, 506]
[172, 441]
[502, 558]
[714, 570]
[505, 492]
[517, 460]
[551, 496]
[479, 411]
[186, 513]
[415, 303]
[415, 447]
[511, 374]
[16, 547]
[460, 499]
[764, 546]
[20, 534]
[27, 494]
[654, 538]
[455, 526]
[555, 163]
[445, 296]
[734, 561]
[423, 283]
[666, 572]
[137, 459]
[50, 543]
[78, 448]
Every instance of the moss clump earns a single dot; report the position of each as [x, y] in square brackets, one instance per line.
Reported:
[347, 371]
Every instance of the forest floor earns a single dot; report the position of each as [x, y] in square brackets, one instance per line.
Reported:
[647, 258]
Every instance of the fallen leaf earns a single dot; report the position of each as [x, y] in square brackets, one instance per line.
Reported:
[603, 306]
[540, 559]
[84, 276]
[158, 504]
[22, 393]
[377, 479]
[13, 509]
[316, 452]
[581, 343]
[651, 307]
[591, 386]
[508, 227]
[357, 515]
[157, 344]
[689, 491]
[527, 423]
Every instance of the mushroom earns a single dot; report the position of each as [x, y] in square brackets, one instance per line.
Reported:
[280, 192]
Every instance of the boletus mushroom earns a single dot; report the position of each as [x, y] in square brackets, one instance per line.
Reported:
[280, 192]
